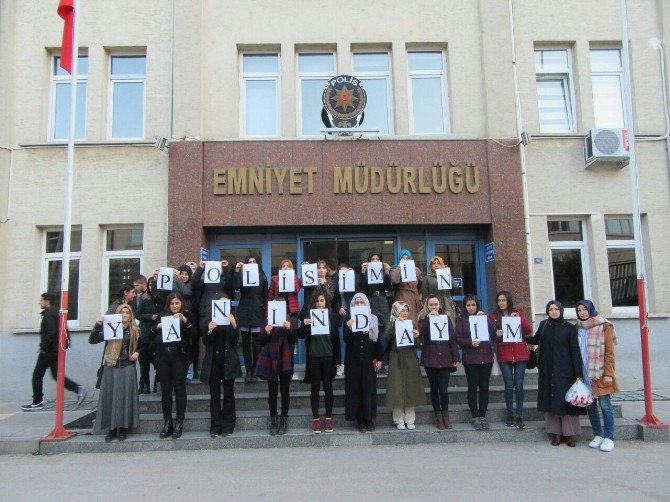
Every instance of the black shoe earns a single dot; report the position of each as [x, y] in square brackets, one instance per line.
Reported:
[274, 426]
[111, 435]
[519, 423]
[196, 375]
[140, 387]
[123, 433]
[370, 426]
[361, 427]
[178, 429]
[155, 388]
[249, 377]
[510, 421]
[167, 429]
[215, 432]
[283, 425]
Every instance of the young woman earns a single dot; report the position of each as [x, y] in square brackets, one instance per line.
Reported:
[323, 354]
[340, 306]
[512, 357]
[429, 286]
[407, 292]
[559, 366]
[149, 308]
[362, 360]
[275, 364]
[125, 296]
[291, 297]
[222, 363]
[477, 361]
[597, 341]
[172, 363]
[440, 359]
[325, 285]
[118, 403]
[250, 315]
[404, 386]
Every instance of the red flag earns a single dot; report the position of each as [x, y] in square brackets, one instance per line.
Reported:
[66, 11]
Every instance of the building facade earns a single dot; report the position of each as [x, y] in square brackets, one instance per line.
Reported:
[236, 90]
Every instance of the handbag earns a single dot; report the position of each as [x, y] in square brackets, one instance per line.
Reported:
[533, 358]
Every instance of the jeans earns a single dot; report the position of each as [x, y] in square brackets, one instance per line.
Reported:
[513, 374]
[605, 403]
[439, 388]
[45, 361]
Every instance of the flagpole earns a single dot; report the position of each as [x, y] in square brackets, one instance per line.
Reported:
[59, 432]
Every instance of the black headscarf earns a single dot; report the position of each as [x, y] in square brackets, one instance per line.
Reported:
[560, 308]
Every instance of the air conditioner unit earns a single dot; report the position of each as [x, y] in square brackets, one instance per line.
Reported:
[606, 145]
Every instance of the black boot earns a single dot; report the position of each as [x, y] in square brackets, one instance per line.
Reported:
[178, 429]
[123, 434]
[140, 388]
[155, 387]
[283, 424]
[110, 435]
[274, 426]
[167, 429]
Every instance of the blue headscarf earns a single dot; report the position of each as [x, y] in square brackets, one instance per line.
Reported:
[401, 254]
[588, 305]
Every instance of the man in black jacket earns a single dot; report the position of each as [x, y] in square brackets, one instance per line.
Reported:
[48, 355]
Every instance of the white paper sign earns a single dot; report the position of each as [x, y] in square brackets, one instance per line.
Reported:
[212, 272]
[112, 327]
[165, 278]
[403, 334]
[250, 275]
[479, 328]
[439, 328]
[407, 271]
[511, 328]
[347, 281]
[375, 272]
[170, 329]
[443, 278]
[286, 281]
[360, 317]
[309, 275]
[276, 313]
[220, 312]
[320, 321]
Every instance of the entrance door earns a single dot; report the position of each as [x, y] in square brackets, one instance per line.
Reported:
[350, 250]
[465, 260]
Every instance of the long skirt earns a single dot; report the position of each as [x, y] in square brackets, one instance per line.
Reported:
[565, 425]
[118, 404]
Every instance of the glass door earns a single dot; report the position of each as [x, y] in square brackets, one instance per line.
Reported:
[467, 268]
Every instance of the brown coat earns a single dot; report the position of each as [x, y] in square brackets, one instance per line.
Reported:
[600, 388]
[408, 292]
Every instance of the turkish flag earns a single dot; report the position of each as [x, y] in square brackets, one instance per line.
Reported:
[66, 11]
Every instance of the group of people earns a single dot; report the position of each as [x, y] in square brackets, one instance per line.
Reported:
[567, 352]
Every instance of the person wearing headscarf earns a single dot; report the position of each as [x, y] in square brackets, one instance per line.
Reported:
[404, 385]
[376, 293]
[118, 402]
[439, 359]
[597, 341]
[429, 286]
[407, 291]
[363, 360]
[560, 365]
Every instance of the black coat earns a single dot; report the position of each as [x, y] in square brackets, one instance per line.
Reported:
[188, 334]
[147, 307]
[49, 330]
[559, 366]
[251, 308]
[222, 344]
[208, 291]
[360, 377]
[376, 293]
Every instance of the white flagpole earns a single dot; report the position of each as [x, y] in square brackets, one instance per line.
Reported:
[59, 432]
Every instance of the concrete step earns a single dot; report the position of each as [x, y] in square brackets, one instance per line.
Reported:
[457, 379]
[302, 418]
[301, 399]
[343, 436]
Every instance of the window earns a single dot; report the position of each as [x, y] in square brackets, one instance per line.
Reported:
[122, 260]
[374, 71]
[260, 94]
[314, 71]
[621, 261]
[568, 264]
[607, 83]
[52, 265]
[428, 86]
[554, 90]
[128, 75]
[60, 101]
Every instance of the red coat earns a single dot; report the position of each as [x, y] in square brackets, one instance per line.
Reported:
[510, 352]
[291, 298]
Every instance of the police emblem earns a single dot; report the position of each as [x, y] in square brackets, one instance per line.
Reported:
[344, 100]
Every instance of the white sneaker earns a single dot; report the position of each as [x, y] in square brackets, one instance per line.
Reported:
[607, 445]
[340, 370]
[597, 441]
[411, 427]
[400, 426]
